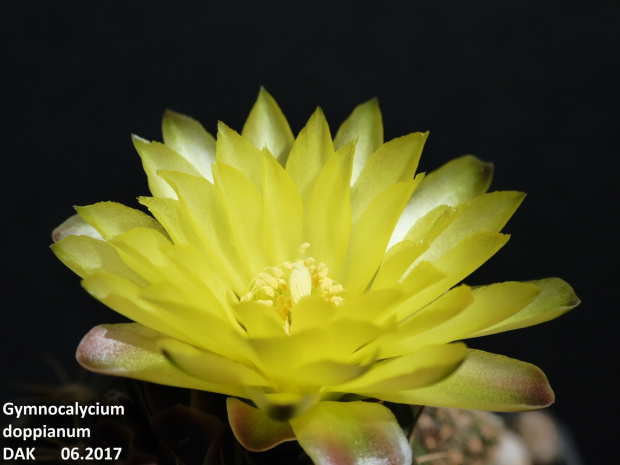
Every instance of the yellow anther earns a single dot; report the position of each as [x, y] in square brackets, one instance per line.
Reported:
[283, 286]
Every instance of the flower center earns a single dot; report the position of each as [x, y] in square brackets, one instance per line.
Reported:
[283, 286]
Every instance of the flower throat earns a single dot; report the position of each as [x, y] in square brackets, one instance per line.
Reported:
[282, 286]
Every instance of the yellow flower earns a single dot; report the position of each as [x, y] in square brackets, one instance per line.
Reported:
[306, 275]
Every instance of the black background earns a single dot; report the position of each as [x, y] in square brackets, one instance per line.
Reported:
[529, 85]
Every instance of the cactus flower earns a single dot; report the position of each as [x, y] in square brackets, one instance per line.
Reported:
[308, 279]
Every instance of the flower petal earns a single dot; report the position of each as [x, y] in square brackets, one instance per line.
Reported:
[155, 157]
[491, 304]
[75, 225]
[201, 210]
[371, 234]
[259, 320]
[396, 262]
[459, 314]
[328, 373]
[420, 368]
[169, 213]
[484, 381]
[188, 138]
[254, 429]
[328, 217]
[310, 312]
[487, 212]
[455, 265]
[351, 433]
[267, 126]
[233, 150]
[366, 126]
[205, 326]
[244, 207]
[455, 182]
[131, 350]
[556, 298]
[86, 256]
[111, 219]
[283, 212]
[124, 297]
[405, 339]
[311, 150]
[393, 162]
[209, 366]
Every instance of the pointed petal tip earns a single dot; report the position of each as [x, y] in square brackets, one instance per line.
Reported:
[137, 140]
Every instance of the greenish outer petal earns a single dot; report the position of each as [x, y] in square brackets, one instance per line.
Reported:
[75, 225]
[457, 181]
[188, 138]
[267, 126]
[254, 429]
[352, 433]
[366, 125]
[132, 350]
[484, 381]
[556, 298]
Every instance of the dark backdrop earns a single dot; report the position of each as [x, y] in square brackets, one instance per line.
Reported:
[530, 85]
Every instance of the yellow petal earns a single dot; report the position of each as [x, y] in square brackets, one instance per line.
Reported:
[488, 212]
[311, 151]
[158, 261]
[406, 339]
[244, 207]
[421, 368]
[208, 366]
[364, 125]
[456, 264]
[206, 326]
[328, 218]
[328, 373]
[123, 296]
[86, 256]
[111, 219]
[141, 249]
[423, 275]
[267, 126]
[283, 212]
[201, 211]
[393, 162]
[489, 305]
[233, 150]
[169, 213]
[259, 320]
[372, 306]
[311, 312]
[188, 138]
[155, 157]
[556, 298]
[396, 261]
[370, 236]
[434, 223]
